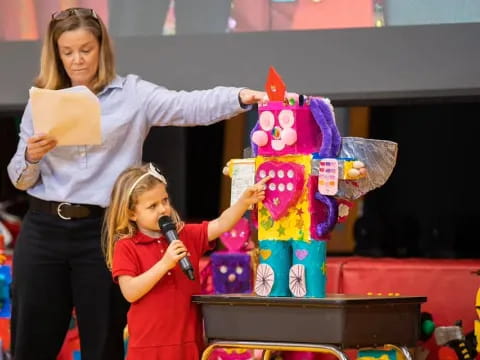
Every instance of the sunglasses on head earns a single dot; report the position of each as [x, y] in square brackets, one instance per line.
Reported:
[80, 12]
[152, 171]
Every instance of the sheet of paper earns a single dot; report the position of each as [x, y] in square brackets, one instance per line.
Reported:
[71, 115]
[242, 172]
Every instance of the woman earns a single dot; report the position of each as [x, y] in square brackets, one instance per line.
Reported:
[58, 264]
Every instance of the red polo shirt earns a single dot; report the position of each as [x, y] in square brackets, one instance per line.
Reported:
[164, 323]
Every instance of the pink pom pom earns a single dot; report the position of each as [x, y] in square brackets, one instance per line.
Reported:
[289, 136]
[260, 138]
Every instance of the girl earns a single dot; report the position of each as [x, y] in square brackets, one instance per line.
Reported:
[163, 323]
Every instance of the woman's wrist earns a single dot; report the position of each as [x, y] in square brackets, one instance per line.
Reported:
[30, 161]
[242, 104]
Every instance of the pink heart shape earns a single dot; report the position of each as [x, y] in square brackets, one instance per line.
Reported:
[237, 238]
[284, 188]
[301, 254]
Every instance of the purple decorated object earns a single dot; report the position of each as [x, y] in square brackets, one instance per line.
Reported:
[231, 272]
[322, 112]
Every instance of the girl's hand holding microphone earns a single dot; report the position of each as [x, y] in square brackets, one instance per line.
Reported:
[175, 251]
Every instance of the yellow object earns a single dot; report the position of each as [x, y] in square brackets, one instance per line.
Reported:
[296, 224]
[265, 253]
[242, 173]
[234, 162]
[72, 117]
[477, 322]
[348, 166]
[382, 357]
[235, 351]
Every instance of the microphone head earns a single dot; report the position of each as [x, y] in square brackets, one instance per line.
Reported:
[165, 223]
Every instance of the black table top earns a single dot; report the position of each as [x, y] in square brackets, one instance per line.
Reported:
[329, 300]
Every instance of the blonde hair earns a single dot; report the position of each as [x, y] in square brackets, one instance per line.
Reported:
[117, 223]
[52, 73]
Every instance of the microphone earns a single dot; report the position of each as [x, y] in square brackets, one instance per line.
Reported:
[169, 229]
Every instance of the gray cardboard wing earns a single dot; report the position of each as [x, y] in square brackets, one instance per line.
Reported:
[379, 157]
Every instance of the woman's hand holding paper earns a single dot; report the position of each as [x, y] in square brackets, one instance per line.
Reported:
[37, 146]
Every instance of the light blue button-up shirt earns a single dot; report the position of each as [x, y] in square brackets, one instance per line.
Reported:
[130, 106]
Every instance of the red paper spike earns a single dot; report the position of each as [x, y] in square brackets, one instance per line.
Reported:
[275, 87]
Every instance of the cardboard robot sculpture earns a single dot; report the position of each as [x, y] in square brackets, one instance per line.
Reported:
[315, 174]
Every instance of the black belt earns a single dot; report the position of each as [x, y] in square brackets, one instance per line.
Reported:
[66, 210]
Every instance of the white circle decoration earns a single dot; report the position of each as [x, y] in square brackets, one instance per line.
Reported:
[286, 118]
[266, 120]
[264, 280]
[297, 280]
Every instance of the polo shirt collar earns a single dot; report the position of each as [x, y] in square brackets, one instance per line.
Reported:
[142, 238]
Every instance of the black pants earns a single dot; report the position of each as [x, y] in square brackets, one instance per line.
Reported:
[57, 265]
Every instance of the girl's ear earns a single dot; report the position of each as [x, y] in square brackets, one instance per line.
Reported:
[131, 215]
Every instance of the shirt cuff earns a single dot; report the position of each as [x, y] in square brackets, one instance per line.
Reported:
[28, 173]
[242, 105]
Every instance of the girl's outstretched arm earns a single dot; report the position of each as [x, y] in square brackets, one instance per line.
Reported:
[227, 220]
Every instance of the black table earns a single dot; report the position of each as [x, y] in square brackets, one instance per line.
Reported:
[325, 325]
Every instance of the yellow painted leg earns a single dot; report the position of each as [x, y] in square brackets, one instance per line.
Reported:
[206, 353]
[402, 350]
[267, 354]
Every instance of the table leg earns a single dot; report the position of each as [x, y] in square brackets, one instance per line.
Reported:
[207, 352]
[267, 354]
[404, 351]
[401, 349]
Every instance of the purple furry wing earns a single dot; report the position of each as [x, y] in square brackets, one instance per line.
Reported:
[323, 115]
[332, 214]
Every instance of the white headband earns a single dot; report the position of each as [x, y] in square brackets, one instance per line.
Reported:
[153, 171]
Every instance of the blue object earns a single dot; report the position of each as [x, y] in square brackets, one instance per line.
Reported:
[377, 354]
[5, 282]
[280, 260]
[315, 277]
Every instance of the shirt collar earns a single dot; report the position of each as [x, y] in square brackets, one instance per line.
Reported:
[141, 238]
[117, 82]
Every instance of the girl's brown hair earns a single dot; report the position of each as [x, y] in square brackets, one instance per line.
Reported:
[117, 223]
[52, 73]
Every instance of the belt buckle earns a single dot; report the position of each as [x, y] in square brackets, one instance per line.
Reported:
[59, 210]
